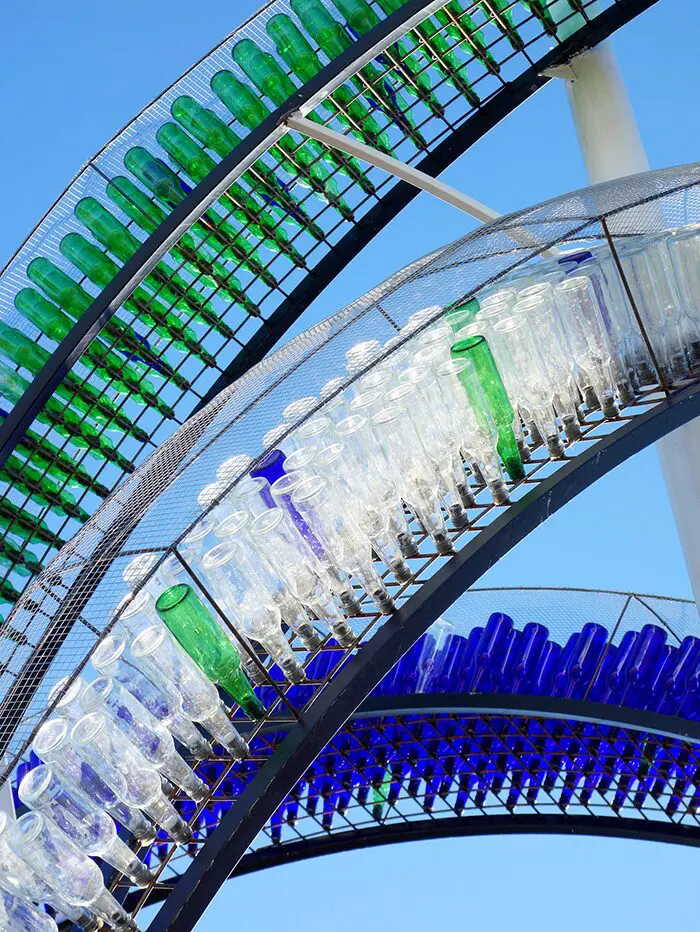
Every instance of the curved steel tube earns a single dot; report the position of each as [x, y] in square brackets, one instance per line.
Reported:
[344, 695]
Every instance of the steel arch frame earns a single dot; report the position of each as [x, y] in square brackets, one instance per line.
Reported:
[94, 319]
[336, 842]
[346, 692]
[179, 220]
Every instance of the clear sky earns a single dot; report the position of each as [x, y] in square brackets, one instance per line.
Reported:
[70, 75]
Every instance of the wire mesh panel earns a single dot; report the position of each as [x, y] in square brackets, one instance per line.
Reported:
[234, 271]
[414, 772]
[197, 510]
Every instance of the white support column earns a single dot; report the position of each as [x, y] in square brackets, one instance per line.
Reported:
[612, 148]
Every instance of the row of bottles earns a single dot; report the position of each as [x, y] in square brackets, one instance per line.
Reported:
[266, 209]
[511, 762]
[109, 755]
[449, 408]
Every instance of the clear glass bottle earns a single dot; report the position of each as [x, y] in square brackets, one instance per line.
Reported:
[17, 915]
[249, 606]
[348, 549]
[79, 817]
[52, 744]
[167, 664]
[20, 879]
[128, 773]
[38, 841]
[111, 658]
[144, 731]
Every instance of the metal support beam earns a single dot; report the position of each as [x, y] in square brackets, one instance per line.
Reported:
[351, 146]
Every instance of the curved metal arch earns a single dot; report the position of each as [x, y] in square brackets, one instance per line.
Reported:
[336, 838]
[233, 165]
[345, 693]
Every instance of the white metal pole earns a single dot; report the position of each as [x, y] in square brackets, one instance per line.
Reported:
[445, 192]
[351, 146]
[612, 148]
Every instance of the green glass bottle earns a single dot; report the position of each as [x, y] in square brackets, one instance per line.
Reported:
[19, 559]
[123, 244]
[267, 75]
[333, 40]
[191, 623]
[56, 463]
[489, 399]
[100, 269]
[250, 111]
[462, 28]
[28, 354]
[40, 488]
[460, 315]
[206, 126]
[500, 12]
[73, 299]
[539, 10]
[167, 187]
[193, 159]
[300, 57]
[361, 18]
[22, 524]
[443, 58]
[53, 322]
[148, 216]
[8, 593]
[65, 421]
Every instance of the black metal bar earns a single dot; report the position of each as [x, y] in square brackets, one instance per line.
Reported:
[345, 693]
[579, 710]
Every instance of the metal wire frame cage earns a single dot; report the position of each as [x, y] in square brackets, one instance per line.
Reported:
[134, 362]
[423, 759]
[74, 602]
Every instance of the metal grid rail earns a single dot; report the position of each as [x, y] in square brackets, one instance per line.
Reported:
[165, 386]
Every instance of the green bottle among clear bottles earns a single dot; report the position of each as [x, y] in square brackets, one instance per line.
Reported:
[191, 623]
[488, 397]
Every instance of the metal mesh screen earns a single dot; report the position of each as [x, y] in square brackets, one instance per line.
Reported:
[72, 603]
[230, 321]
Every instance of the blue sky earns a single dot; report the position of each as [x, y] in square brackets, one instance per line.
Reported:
[70, 75]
